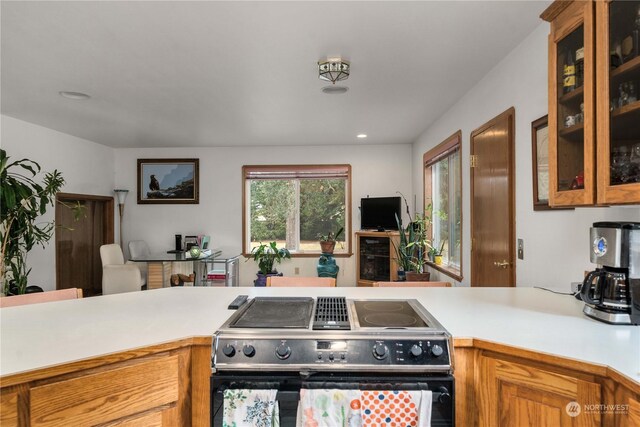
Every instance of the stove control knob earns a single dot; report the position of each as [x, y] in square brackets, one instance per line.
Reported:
[415, 351]
[283, 351]
[444, 397]
[229, 350]
[249, 350]
[380, 351]
[436, 350]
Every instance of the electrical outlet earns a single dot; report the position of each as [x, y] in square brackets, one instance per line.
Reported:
[296, 270]
[520, 249]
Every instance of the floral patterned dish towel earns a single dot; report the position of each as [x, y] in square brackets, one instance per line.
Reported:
[398, 408]
[329, 408]
[250, 408]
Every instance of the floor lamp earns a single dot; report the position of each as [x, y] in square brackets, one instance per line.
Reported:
[122, 196]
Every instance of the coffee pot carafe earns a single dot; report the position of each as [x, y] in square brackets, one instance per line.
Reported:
[606, 289]
[612, 291]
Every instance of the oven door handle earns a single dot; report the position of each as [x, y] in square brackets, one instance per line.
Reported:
[365, 386]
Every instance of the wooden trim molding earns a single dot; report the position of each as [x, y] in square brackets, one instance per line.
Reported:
[555, 9]
[445, 148]
[348, 205]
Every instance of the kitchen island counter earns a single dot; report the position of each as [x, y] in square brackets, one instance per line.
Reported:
[45, 335]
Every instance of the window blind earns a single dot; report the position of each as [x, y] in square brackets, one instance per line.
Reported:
[296, 172]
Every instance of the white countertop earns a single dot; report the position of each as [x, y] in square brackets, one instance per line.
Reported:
[43, 335]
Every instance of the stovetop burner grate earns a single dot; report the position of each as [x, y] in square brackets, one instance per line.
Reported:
[331, 313]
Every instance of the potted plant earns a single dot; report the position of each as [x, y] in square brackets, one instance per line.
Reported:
[22, 202]
[328, 241]
[266, 255]
[414, 245]
[403, 254]
[418, 245]
[437, 254]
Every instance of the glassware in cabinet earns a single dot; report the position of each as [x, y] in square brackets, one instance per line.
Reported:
[618, 51]
[571, 106]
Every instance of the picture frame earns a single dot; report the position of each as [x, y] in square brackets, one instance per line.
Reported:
[168, 181]
[540, 164]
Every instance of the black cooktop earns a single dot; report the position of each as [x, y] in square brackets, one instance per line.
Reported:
[275, 312]
[330, 313]
[388, 314]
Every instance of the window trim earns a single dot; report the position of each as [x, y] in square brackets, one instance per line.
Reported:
[439, 152]
[247, 169]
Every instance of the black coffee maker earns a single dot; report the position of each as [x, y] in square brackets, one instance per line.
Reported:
[612, 291]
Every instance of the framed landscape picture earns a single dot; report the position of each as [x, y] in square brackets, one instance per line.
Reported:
[162, 181]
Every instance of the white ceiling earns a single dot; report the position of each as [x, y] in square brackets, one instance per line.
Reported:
[172, 74]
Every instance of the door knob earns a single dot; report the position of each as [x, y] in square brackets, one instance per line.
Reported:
[502, 264]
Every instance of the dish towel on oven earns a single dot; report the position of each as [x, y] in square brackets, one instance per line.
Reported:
[254, 408]
[329, 408]
[396, 408]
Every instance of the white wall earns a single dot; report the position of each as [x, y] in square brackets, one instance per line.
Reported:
[377, 170]
[555, 242]
[87, 168]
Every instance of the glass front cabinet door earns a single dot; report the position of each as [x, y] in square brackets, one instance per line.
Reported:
[571, 106]
[618, 107]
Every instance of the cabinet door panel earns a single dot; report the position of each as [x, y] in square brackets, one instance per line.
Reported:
[516, 394]
[106, 396]
[9, 409]
[632, 417]
[571, 107]
[522, 406]
[153, 419]
[618, 76]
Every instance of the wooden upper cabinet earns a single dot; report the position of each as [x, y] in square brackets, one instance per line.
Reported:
[617, 98]
[572, 106]
[594, 112]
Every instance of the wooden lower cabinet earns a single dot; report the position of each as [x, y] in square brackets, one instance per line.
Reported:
[501, 386]
[515, 394]
[165, 385]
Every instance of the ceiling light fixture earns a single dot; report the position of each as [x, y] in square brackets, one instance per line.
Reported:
[361, 135]
[335, 90]
[74, 95]
[333, 69]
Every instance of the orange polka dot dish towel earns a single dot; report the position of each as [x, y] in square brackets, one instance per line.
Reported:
[364, 408]
[398, 408]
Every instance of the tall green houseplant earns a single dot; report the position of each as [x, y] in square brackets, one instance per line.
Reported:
[22, 202]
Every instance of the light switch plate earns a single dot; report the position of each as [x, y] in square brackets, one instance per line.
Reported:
[520, 249]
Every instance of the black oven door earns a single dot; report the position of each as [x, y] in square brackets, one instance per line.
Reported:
[289, 385]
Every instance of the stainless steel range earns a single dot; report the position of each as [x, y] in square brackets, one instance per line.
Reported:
[333, 342]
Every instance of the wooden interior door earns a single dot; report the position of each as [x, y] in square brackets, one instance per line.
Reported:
[78, 263]
[493, 202]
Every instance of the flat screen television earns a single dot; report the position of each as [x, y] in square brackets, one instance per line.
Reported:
[379, 213]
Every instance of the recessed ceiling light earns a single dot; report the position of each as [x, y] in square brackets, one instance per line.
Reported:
[335, 90]
[74, 95]
[361, 135]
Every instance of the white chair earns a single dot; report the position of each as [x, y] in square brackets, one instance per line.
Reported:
[118, 277]
[140, 249]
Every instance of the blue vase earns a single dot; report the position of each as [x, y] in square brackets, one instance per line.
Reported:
[327, 266]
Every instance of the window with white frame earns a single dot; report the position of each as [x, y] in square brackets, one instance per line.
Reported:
[294, 205]
[443, 193]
